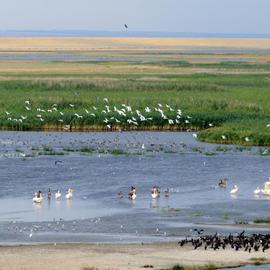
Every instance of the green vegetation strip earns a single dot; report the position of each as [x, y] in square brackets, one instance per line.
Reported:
[224, 108]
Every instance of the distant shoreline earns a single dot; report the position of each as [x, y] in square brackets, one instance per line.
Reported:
[124, 33]
[126, 43]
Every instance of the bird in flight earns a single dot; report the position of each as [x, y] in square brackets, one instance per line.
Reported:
[126, 26]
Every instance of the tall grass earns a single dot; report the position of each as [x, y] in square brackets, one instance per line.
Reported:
[236, 106]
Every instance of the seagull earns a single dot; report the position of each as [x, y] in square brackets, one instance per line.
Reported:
[126, 26]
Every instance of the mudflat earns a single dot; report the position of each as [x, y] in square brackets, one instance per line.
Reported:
[119, 256]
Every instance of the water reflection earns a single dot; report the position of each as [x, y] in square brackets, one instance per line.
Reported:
[69, 203]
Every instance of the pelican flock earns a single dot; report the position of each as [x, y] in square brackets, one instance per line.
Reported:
[38, 198]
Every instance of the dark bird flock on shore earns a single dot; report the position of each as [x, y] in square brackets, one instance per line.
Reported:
[241, 241]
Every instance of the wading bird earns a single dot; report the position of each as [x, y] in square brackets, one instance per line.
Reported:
[234, 190]
[69, 194]
[58, 195]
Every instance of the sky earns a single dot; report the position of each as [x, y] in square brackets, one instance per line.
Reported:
[183, 16]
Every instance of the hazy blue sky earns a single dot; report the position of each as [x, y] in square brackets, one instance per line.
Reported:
[212, 16]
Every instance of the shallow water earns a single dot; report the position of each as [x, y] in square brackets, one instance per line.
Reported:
[252, 267]
[96, 214]
[133, 56]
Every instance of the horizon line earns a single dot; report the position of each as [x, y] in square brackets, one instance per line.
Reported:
[123, 33]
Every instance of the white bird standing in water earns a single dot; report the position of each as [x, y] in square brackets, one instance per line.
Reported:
[69, 194]
[38, 197]
[58, 195]
[234, 190]
[155, 192]
[132, 194]
[257, 191]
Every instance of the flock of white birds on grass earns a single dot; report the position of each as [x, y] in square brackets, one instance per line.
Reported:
[123, 114]
[112, 114]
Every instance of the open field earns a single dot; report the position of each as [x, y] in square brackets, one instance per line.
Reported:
[224, 93]
[122, 257]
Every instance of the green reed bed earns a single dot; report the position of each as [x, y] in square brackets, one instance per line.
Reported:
[232, 106]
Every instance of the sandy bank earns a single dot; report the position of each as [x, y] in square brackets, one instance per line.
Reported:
[116, 44]
[135, 256]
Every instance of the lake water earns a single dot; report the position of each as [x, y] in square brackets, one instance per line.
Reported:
[133, 56]
[252, 267]
[97, 214]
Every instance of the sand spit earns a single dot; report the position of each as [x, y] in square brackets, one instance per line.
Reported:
[122, 257]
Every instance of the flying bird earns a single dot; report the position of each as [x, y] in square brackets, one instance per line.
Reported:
[126, 26]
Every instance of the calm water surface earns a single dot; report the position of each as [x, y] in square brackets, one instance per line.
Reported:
[97, 214]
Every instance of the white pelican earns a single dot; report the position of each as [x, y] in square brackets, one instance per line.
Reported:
[58, 195]
[155, 192]
[234, 190]
[257, 191]
[38, 197]
[69, 194]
